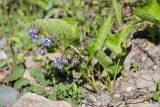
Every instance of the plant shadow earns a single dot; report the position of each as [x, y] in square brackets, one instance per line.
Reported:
[150, 33]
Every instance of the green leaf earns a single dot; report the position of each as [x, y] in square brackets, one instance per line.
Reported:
[37, 73]
[34, 89]
[73, 25]
[3, 63]
[64, 30]
[107, 63]
[117, 42]
[41, 3]
[21, 82]
[104, 60]
[16, 74]
[113, 70]
[20, 57]
[103, 32]
[159, 85]
[149, 11]
[117, 9]
[156, 96]
[74, 87]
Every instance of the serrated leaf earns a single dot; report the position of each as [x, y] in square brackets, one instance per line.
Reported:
[34, 89]
[149, 11]
[16, 74]
[21, 82]
[117, 42]
[63, 30]
[74, 87]
[117, 9]
[37, 73]
[156, 96]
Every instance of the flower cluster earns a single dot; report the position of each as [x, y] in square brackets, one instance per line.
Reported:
[68, 55]
[33, 33]
[47, 42]
[60, 62]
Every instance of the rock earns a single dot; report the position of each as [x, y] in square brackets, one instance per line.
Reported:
[145, 80]
[27, 75]
[4, 72]
[3, 55]
[3, 44]
[8, 95]
[34, 100]
[102, 99]
[2, 75]
[138, 83]
[30, 62]
[143, 105]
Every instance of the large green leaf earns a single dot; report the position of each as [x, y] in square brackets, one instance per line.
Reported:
[103, 59]
[98, 43]
[21, 82]
[107, 63]
[149, 11]
[37, 73]
[117, 8]
[156, 96]
[16, 74]
[159, 85]
[73, 25]
[103, 32]
[114, 70]
[117, 42]
[64, 30]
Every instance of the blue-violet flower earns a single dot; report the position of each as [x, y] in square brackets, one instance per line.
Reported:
[47, 42]
[42, 51]
[60, 62]
[33, 33]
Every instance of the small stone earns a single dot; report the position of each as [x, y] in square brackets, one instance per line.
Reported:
[34, 100]
[27, 75]
[104, 97]
[143, 58]
[3, 55]
[2, 75]
[30, 62]
[8, 95]
[3, 43]
[117, 95]
[146, 81]
[129, 89]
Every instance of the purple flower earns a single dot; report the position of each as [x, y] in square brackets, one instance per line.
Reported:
[42, 51]
[60, 62]
[47, 42]
[33, 33]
